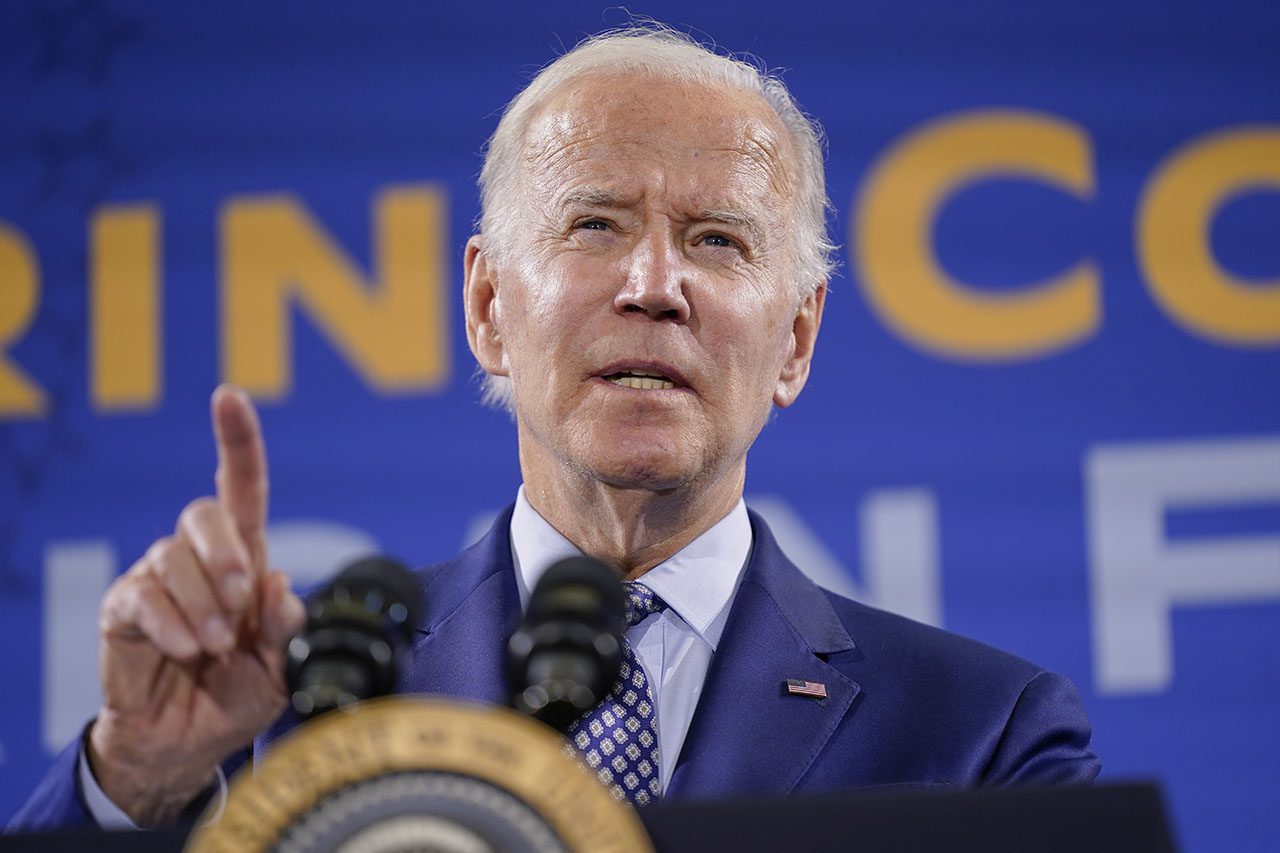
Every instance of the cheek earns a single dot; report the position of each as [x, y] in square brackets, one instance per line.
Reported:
[752, 346]
[557, 284]
[543, 325]
[528, 299]
[758, 326]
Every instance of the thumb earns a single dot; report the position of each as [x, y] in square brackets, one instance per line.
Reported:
[281, 615]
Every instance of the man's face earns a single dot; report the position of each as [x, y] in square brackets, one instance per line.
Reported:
[647, 310]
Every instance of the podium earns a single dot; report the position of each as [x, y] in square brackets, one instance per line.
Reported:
[399, 774]
[1102, 819]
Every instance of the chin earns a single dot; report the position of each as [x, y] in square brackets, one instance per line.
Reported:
[626, 463]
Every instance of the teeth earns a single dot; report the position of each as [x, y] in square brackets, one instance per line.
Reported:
[646, 382]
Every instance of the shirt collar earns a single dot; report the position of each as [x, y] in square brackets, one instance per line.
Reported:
[698, 582]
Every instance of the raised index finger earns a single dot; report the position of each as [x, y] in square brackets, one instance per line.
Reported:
[242, 468]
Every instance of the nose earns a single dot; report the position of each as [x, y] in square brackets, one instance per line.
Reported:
[656, 280]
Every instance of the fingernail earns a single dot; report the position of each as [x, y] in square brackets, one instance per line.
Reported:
[237, 587]
[217, 634]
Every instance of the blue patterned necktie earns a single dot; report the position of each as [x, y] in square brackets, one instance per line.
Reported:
[617, 738]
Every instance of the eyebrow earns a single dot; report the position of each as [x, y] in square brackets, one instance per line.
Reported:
[592, 196]
[737, 219]
[599, 197]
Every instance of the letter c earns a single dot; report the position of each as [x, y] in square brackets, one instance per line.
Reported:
[893, 233]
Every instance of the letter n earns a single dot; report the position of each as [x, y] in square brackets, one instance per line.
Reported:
[392, 330]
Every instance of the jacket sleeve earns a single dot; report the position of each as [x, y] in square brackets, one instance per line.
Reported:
[1046, 738]
[57, 802]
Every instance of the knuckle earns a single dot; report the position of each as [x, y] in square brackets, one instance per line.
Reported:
[123, 586]
[210, 530]
[141, 568]
[121, 604]
[145, 600]
[108, 619]
[223, 562]
[163, 556]
[199, 514]
[114, 608]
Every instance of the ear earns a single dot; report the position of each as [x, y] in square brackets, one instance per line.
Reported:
[480, 301]
[804, 336]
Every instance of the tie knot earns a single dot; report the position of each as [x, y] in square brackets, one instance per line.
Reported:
[641, 602]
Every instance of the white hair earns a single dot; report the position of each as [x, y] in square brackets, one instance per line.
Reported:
[660, 51]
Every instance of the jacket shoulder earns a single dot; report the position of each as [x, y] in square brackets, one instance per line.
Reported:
[988, 716]
[903, 642]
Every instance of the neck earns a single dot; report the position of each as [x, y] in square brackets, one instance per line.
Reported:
[629, 527]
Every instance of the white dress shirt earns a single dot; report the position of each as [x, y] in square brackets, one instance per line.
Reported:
[675, 646]
[101, 807]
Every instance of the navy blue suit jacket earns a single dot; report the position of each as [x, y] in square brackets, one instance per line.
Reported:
[907, 705]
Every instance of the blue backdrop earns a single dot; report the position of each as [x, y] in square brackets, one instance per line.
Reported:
[1045, 410]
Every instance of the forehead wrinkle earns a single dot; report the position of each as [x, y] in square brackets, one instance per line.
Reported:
[562, 137]
[555, 149]
[760, 160]
[760, 147]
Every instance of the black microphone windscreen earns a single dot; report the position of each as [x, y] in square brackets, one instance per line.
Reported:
[397, 582]
[581, 587]
[359, 631]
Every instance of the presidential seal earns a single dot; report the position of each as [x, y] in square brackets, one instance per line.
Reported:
[398, 774]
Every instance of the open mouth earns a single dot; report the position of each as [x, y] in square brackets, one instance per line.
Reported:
[641, 380]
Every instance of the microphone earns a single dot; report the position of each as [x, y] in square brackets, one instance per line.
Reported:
[567, 653]
[359, 631]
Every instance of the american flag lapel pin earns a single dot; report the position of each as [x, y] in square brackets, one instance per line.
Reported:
[813, 689]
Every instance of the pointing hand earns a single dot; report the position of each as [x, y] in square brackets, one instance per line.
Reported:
[193, 638]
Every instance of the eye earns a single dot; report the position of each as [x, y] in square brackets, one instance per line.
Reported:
[719, 241]
[592, 225]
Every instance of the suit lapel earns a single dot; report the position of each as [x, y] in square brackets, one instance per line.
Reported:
[748, 735]
[472, 607]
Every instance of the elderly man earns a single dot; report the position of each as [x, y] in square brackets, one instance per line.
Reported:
[647, 284]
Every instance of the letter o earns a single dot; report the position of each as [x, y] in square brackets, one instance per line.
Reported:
[1174, 216]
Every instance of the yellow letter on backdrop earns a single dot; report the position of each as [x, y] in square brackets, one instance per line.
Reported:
[893, 234]
[392, 330]
[124, 308]
[19, 296]
[1174, 218]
